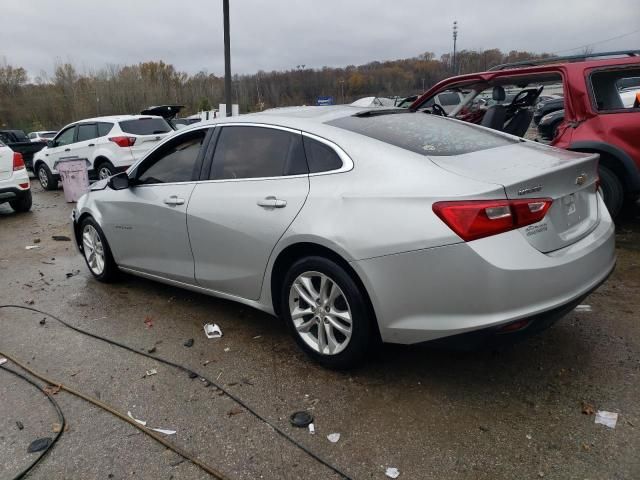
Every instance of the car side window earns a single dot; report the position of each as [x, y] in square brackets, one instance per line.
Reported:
[66, 137]
[104, 128]
[616, 89]
[257, 152]
[175, 161]
[321, 157]
[32, 135]
[86, 131]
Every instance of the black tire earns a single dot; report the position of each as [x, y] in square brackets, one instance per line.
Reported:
[22, 203]
[612, 191]
[45, 177]
[110, 270]
[105, 169]
[362, 333]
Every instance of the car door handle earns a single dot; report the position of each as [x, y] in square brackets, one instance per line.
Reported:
[272, 202]
[67, 149]
[91, 145]
[174, 200]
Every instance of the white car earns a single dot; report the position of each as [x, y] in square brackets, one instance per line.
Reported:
[43, 136]
[110, 145]
[14, 180]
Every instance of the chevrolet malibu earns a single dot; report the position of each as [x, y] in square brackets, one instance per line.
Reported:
[359, 225]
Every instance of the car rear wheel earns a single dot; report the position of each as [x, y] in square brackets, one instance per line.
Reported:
[46, 178]
[22, 203]
[612, 191]
[326, 312]
[96, 251]
[106, 170]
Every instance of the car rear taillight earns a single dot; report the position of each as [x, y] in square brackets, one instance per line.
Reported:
[123, 141]
[18, 162]
[474, 219]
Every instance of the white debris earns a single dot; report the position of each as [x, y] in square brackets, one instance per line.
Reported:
[141, 422]
[144, 424]
[3, 361]
[31, 247]
[312, 428]
[608, 419]
[211, 330]
[333, 437]
[227, 349]
[529, 437]
[392, 472]
[583, 308]
[153, 371]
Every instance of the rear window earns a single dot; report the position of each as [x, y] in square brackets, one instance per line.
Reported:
[145, 126]
[423, 133]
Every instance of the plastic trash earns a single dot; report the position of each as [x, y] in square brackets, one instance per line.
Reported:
[75, 177]
[3, 361]
[39, 445]
[153, 371]
[211, 330]
[583, 308]
[31, 247]
[608, 419]
[312, 429]
[301, 419]
[392, 472]
[333, 437]
[144, 424]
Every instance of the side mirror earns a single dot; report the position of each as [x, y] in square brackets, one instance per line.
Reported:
[51, 143]
[119, 181]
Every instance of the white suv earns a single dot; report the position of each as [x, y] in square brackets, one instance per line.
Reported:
[14, 180]
[110, 145]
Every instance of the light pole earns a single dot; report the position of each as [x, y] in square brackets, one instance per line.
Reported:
[227, 57]
[455, 38]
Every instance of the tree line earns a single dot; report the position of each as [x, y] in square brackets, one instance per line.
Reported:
[52, 101]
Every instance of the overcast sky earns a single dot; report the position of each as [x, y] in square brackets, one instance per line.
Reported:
[280, 34]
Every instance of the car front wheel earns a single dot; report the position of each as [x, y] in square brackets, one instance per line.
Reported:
[96, 251]
[46, 178]
[326, 312]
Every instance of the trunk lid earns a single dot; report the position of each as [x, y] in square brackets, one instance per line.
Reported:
[148, 131]
[527, 170]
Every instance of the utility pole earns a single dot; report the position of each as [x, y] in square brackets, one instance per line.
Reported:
[227, 57]
[455, 38]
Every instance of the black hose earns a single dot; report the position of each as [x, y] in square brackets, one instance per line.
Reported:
[61, 419]
[233, 397]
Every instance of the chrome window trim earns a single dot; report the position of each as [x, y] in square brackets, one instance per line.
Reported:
[347, 163]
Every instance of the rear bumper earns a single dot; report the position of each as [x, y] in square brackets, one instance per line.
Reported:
[11, 193]
[439, 292]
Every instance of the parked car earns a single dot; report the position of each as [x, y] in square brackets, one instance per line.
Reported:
[548, 126]
[354, 224]
[547, 106]
[17, 141]
[42, 136]
[110, 144]
[596, 119]
[15, 187]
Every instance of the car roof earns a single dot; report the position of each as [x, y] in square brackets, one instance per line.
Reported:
[113, 118]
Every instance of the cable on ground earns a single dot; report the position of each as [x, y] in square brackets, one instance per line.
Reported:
[233, 397]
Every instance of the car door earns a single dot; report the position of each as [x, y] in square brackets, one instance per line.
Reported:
[146, 224]
[61, 146]
[83, 147]
[256, 184]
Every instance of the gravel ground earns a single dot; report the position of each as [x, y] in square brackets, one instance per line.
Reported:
[431, 413]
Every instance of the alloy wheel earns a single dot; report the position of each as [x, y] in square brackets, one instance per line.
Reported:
[104, 172]
[93, 249]
[320, 313]
[42, 176]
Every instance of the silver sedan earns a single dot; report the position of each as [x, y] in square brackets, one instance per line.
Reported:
[359, 225]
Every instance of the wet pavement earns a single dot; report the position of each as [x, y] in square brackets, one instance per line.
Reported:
[431, 413]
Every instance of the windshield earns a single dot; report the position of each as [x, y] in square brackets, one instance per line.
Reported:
[423, 133]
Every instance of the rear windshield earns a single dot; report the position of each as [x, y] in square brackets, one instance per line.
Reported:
[145, 126]
[423, 133]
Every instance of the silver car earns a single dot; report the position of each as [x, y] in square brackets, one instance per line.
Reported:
[358, 225]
